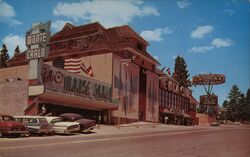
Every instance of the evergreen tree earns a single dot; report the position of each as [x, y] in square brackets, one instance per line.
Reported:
[242, 107]
[234, 104]
[247, 105]
[180, 72]
[17, 51]
[4, 56]
[225, 104]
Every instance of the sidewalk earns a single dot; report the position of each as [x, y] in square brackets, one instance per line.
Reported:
[141, 127]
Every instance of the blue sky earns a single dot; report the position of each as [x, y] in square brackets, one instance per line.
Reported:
[212, 35]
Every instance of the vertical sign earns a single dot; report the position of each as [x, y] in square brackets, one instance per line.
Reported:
[37, 39]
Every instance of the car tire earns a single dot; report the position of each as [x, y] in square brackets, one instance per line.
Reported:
[27, 134]
[1, 134]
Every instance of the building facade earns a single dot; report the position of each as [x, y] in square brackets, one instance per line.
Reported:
[92, 70]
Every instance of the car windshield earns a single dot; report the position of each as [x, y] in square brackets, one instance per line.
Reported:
[8, 118]
[57, 120]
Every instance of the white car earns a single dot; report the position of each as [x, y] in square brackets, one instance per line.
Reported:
[61, 127]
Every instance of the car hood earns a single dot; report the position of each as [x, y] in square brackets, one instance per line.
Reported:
[12, 124]
[62, 124]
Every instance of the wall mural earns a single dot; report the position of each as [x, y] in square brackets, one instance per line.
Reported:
[126, 88]
[152, 97]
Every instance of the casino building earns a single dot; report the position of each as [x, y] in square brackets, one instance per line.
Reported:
[95, 71]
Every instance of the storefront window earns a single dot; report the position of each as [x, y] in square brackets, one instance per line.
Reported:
[167, 98]
[170, 100]
[160, 97]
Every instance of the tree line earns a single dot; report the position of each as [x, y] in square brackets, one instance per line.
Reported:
[237, 106]
[4, 56]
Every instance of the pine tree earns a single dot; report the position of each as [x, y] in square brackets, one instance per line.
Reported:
[225, 104]
[4, 56]
[234, 104]
[17, 51]
[247, 105]
[180, 72]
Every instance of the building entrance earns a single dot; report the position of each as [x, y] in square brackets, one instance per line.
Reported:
[56, 110]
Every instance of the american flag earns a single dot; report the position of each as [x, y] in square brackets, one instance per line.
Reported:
[72, 65]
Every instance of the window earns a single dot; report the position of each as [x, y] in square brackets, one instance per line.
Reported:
[160, 97]
[167, 97]
[8, 118]
[139, 46]
[170, 100]
[59, 63]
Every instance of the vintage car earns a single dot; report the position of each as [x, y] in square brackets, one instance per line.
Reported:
[36, 124]
[85, 124]
[61, 127]
[214, 124]
[8, 126]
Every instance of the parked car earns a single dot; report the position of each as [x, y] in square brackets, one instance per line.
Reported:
[214, 124]
[8, 126]
[85, 124]
[35, 124]
[237, 123]
[61, 127]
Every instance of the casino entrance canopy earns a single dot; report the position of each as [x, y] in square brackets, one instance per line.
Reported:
[52, 97]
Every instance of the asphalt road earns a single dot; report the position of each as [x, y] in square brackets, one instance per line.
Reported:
[208, 142]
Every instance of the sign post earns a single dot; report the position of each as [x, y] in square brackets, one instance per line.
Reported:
[37, 39]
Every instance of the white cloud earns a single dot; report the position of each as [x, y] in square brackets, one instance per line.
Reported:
[155, 35]
[218, 43]
[109, 13]
[200, 31]
[7, 13]
[200, 49]
[12, 41]
[58, 24]
[183, 4]
[156, 57]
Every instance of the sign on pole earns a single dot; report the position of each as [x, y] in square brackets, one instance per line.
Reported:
[37, 39]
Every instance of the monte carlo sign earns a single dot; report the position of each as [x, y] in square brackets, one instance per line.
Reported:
[37, 39]
[64, 82]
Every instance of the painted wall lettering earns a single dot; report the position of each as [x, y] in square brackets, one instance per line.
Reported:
[62, 81]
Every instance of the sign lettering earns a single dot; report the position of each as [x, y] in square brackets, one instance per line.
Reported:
[65, 82]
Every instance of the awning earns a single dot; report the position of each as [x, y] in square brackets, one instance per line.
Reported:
[54, 97]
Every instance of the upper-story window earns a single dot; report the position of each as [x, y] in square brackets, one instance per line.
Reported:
[139, 46]
[59, 63]
[62, 45]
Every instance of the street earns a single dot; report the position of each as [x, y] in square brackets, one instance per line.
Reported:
[198, 142]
